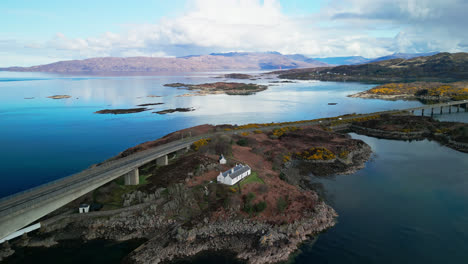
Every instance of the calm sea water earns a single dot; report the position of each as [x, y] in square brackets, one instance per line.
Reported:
[409, 205]
[43, 139]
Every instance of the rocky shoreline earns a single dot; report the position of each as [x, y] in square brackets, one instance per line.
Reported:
[252, 241]
[297, 172]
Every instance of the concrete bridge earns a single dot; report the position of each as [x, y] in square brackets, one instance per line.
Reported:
[22, 209]
[447, 106]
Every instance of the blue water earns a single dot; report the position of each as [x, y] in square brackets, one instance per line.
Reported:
[409, 205]
[44, 139]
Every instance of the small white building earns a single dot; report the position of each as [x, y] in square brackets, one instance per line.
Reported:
[84, 208]
[234, 175]
[222, 160]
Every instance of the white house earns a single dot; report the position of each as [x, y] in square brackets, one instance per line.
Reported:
[84, 208]
[222, 160]
[234, 175]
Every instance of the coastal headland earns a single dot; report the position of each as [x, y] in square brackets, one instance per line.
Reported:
[180, 210]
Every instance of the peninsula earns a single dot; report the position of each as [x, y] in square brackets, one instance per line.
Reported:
[429, 91]
[445, 67]
[180, 209]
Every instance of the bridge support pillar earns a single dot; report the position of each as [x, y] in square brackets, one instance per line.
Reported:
[450, 109]
[432, 112]
[466, 107]
[162, 161]
[458, 108]
[441, 109]
[412, 112]
[182, 151]
[422, 112]
[133, 177]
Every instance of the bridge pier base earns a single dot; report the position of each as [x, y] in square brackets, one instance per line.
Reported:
[441, 109]
[432, 112]
[133, 177]
[450, 109]
[162, 161]
[422, 112]
[466, 107]
[458, 108]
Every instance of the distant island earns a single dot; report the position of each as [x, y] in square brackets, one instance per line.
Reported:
[122, 111]
[229, 88]
[168, 111]
[58, 96]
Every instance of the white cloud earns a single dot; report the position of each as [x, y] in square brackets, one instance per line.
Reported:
[341, 28]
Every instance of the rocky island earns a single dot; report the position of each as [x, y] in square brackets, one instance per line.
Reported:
[229, 88]
[238, 76]
[59, 96]
[178, 109]
[122, 111]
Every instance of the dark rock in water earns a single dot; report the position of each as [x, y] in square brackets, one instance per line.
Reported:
[287, 81]
[59, 96]
[168, 111]
[332, 103]
[238, 76]
[150, 104]
[121, 111]
[175, 85]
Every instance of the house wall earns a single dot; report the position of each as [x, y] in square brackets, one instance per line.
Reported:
[229, 181]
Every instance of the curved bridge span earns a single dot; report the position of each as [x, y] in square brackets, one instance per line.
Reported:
[21, 209]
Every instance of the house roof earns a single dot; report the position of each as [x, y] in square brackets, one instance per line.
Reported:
[238, 170]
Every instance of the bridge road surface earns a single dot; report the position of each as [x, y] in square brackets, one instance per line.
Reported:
[23, 208]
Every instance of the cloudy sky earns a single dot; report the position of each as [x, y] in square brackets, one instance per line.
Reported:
[39, 32]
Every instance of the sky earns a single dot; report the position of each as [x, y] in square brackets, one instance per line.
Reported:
[40, 32]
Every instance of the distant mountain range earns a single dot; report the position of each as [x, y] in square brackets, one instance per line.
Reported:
[353, 60]
[231, 61]
[213, 62]
[439, 67]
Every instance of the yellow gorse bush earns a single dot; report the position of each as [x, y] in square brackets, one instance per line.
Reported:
[316, 153]
[200, 143]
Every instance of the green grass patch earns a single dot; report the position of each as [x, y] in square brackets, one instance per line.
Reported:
[253, 177]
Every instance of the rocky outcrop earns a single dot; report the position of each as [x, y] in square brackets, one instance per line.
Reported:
[297, 172]
[255, 242]
[389, 134]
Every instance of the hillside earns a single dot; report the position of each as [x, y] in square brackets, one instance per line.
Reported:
[444, 67]
[353, 60]
[212, 62]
